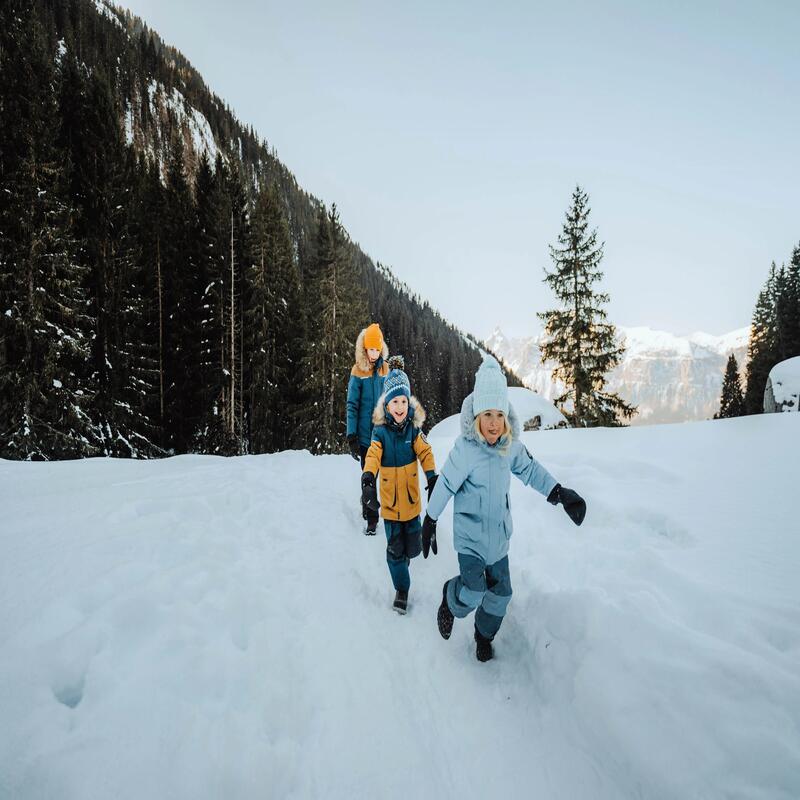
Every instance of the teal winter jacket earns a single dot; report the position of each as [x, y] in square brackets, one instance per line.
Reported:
[363, 391]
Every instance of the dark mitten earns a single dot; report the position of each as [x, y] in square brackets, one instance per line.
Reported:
[431, 483]
[429, 536]
[352, 440]
[573, 503]
[369, 495]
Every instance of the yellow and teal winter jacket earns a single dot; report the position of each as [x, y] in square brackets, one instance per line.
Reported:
[363, 391]
[394, 451]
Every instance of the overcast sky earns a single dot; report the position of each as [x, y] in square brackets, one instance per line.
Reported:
[451, 136]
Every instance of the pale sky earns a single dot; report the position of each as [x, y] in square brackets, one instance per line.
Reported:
[451, 136]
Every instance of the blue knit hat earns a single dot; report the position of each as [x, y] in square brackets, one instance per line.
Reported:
[395, 385]
[491, 390]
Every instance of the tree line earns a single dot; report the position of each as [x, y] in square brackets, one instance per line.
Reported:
[774, 337]
[153, 302]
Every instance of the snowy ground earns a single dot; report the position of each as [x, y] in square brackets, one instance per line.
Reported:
[209, 628]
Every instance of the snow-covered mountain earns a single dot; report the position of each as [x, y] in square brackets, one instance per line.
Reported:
[199, 627]
[669, 378]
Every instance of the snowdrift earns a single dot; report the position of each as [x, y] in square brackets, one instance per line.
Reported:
[203, 628]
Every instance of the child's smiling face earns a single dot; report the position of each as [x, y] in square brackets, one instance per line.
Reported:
[492, 423]
[372, 354]
[398, 408]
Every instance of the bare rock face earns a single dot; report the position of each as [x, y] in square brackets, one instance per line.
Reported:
[669, 378]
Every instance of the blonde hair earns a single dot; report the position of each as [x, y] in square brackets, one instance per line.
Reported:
[506, 437]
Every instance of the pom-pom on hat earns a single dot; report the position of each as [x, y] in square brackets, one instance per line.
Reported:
[491, 390]
[373, 338]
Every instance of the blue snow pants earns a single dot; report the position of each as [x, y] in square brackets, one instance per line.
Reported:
[403, 542]
[485, 587]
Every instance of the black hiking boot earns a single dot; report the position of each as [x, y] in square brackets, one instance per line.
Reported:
[400, 604]
[483, 650]
[444, 616]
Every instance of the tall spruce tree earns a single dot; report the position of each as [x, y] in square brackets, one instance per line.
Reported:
[102, 179]
[148, 227]
[787, 308]
[731, 402]
[762, 347]
[180, 302]
[579, 340]
[274, 333]
[336, 309]
[225, 256]
[43, 323]
[210, 436]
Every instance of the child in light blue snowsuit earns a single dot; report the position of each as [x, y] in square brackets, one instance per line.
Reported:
[478, 474]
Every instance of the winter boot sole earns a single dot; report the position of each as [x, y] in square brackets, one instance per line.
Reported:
[444, 616]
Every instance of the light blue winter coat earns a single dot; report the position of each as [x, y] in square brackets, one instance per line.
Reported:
[479, 476]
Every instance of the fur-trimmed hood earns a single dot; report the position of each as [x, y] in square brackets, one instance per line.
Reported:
[416, 412]
[362, 360]
[468, 421]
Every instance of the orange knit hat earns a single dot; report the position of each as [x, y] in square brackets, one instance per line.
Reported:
[373, 337]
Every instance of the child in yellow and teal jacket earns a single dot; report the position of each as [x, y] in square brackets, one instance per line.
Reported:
[397, 444]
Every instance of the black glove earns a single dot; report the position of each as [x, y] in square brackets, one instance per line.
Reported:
[355, 451]
[573, 503]
[429, 536]
[369, 496]
[431, 483]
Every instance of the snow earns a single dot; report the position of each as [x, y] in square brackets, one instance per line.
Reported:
[57, 383]
[526, 403]
[785, 380]
[735, 340]
[107, 11]
[208, 627]
[645, 342]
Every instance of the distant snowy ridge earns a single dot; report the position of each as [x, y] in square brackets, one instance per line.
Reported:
[669, 378]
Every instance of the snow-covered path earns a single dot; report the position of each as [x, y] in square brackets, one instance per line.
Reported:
[203, 628]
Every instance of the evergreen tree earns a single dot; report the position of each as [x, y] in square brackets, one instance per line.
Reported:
[762, 348]
[148, 230]
[275, 334]
[225, 257]
[102, 181]
[579, 340]
[210, 190]
[180, 303]
[43, 322]
[731, 402]
[787, 308]
[336, 310]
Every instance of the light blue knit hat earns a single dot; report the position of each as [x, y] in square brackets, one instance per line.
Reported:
[395, 385]
[491, 390]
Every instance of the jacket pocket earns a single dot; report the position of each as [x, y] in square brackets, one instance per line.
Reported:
[412, 485]
[388, 488]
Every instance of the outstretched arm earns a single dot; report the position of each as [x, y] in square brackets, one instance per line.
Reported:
[529, 470]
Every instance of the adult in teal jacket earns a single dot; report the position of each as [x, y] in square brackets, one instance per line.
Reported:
[363, 392]
[478, 475]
